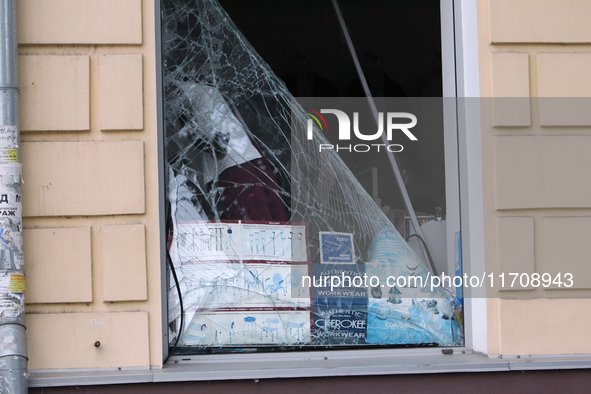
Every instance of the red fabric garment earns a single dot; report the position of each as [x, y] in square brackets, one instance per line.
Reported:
[251, 192]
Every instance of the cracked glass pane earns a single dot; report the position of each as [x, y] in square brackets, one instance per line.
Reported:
[261, 224]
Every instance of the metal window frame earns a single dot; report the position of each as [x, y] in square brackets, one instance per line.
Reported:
[460, 80]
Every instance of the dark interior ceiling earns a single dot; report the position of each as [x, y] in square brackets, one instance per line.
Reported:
[398, 43]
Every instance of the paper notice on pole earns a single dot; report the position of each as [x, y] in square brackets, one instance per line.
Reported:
[11, 307]
[10, 173]
[17, 284]
[12, 283]
[12, 294]
[19, 260]
[10, 202]
[11, 240]
[8, 155]
[4, 282]
[8, 137]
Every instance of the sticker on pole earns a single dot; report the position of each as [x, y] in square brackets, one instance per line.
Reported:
[17, 284]
[12, 283]
[8, 155]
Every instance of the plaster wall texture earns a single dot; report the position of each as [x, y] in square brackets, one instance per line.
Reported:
[534, 56]
[89, 148]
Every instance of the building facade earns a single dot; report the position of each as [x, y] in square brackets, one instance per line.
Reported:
[91, 107]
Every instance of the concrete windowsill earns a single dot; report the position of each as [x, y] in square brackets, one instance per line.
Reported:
[311, 364]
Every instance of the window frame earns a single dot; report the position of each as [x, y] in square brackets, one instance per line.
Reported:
[460, 79]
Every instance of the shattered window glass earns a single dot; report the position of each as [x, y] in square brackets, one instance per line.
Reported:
[261, 223]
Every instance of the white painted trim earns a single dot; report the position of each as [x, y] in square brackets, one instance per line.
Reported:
[467, 38]
[470, 151]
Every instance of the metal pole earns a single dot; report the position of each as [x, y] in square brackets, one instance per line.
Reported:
[374, 110]
[13, 345]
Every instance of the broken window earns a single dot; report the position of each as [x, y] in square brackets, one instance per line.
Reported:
[262, 223]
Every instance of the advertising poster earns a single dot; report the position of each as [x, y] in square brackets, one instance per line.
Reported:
[236, 281]
[340, 312]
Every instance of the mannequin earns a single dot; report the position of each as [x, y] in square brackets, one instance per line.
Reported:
[217, 154]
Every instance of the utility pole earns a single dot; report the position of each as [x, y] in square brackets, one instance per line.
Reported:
[13, 344]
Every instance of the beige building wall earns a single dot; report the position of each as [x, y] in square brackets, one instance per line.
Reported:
[536, 162]
[89, 152]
